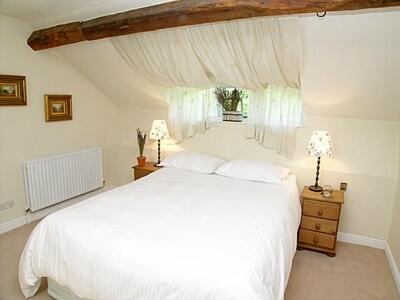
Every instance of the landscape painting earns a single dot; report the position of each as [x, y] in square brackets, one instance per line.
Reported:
[12, 90]
[8, 89]
[58, 107]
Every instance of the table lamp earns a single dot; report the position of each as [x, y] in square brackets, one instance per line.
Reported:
[159, 131]
[320, 145]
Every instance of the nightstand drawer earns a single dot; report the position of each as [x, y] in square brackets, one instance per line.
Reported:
[317, 239]
[325, 211]
[318, 224]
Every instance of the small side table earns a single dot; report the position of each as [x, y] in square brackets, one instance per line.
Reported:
[319, 221]
[139, 172]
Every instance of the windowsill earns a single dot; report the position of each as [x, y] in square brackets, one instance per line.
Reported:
[244, 122]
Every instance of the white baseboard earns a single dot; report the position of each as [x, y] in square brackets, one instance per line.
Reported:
[393, 266]
[31, 217]
[361, 240]
[14, 223]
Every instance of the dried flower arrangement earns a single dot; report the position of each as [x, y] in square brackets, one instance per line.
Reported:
[141, 139]
[229, 101]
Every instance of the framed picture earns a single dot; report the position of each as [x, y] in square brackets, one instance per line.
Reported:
[58, 107]
[12, 90]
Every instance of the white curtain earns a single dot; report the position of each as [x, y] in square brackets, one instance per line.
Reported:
[262, 55]
[274, 115]
[250, 54]
[191, 111]
[165, 57]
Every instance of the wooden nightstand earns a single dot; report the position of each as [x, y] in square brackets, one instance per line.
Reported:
[319, 221]
[139, 172]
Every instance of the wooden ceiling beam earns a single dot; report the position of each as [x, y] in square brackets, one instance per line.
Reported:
[187, 12]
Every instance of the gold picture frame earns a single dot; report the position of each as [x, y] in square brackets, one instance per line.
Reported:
[12, 90]
[58, 107]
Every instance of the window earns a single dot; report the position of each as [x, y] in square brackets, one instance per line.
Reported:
[233, 102]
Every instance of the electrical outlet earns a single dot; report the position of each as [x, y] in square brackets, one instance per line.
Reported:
[343, 186]
[6, 205]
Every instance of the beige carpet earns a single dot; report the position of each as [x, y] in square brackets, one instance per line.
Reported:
[355, 273]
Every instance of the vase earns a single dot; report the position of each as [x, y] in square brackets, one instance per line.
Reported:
[141, 161]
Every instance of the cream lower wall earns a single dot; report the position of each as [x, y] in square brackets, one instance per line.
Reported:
[394, 234]
[24, 134]
[366, 157]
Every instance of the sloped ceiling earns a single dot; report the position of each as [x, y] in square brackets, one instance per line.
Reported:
[351, 61]
[352, 65]
[99, 62]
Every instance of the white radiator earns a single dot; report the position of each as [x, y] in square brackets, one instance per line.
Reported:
[57, 178]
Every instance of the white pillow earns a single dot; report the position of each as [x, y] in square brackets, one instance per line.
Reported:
[255, 170]
[193, 161]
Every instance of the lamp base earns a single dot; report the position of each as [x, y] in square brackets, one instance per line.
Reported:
[315, 188]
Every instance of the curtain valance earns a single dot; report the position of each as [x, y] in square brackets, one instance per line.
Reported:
[165, 57]
[248, 54]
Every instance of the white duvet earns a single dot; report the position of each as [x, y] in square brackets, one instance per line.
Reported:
[171, 235]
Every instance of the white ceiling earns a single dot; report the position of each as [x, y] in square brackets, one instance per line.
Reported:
[46, 13]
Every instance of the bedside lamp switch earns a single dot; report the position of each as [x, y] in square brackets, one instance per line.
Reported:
[343, 186]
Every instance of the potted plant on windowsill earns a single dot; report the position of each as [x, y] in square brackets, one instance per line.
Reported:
[141, 139]
[229, 101]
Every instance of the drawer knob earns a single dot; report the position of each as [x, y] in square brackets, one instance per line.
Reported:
[316, 240]
[317, 226]
[320, 212]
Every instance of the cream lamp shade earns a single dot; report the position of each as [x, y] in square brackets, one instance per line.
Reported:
[320, 144]
[159, 130]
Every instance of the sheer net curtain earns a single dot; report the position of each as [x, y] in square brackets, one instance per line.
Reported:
[262, 55]
[274, 115]
[191, 111]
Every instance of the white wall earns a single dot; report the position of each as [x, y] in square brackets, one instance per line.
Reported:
[24, 134]
[366, 155]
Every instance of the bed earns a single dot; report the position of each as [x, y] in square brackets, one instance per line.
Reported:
[173, 234]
